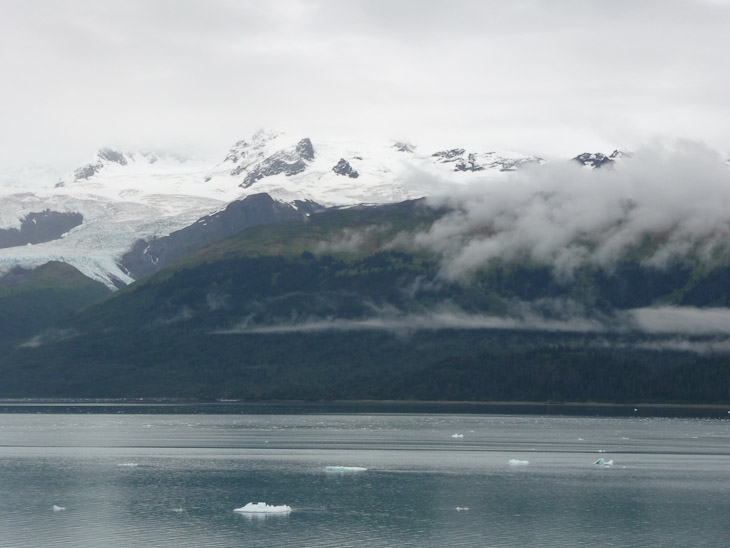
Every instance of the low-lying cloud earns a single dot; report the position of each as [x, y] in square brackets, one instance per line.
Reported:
[566, 216]
[685, 329]
[437, 321]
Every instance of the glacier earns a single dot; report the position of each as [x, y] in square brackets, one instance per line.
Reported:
[127, 196]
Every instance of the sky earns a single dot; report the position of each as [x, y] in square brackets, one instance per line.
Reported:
[546, 77]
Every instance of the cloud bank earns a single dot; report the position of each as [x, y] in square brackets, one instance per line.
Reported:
[565, 215]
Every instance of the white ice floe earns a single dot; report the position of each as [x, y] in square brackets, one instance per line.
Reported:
[344, 469]
[58, 508]
[461, 508]
[128, 464]
[458, 436]
[263, 508]
[517, 462]
[604, 463]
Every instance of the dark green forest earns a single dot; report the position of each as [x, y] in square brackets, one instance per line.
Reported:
[272, 313]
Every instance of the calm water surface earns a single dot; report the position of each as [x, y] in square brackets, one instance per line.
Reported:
[173, 480]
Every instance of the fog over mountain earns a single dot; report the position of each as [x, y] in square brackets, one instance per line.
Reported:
[567, 216]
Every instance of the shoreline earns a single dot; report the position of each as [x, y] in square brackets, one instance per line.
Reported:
[183, 405]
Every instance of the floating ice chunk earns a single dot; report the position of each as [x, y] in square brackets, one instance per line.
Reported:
[461, 508]
[58, 508]
[178, 510]
[128, 464]
[458, 436]
[601, 450]
[517, 462]
[604, 463]
[344, 469]
[263, 508]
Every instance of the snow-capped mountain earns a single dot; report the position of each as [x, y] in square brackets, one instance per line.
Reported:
[123, 197]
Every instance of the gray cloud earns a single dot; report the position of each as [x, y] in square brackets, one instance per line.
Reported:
[565, 215]
[537, 75]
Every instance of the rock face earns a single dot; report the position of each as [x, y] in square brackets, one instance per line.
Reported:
[593, 159]
[343, 167]
[470, 164]
[147, 257]
[287, 161]
[106, 157]
[43, 226]
[451, 155]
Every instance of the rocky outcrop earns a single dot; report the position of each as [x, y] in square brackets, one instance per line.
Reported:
[39, 227]
[287, 161]
[593, 159]
[480, 161]
[404, 147]
[451, 155]
[468, 164]
[343, 167]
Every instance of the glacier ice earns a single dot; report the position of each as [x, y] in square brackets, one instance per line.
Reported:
[344, 469]
[517, 462]
[263, 508]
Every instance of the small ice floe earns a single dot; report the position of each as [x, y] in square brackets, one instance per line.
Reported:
[601, 450]
[603, 462]
[462, 508]
[518, 462]
[457, 436]
[263, 508]
[178, 510]
[128, 464]
[58, 508]
[344, 469]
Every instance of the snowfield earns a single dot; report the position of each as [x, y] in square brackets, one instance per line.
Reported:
[126, 196]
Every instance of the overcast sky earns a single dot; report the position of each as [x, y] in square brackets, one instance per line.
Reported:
[550, 77]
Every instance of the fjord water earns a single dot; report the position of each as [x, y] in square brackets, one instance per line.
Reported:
[164, 480]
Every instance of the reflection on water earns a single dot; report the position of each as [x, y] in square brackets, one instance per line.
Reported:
[174, 480]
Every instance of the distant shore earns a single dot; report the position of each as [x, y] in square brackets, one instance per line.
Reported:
[222, 406]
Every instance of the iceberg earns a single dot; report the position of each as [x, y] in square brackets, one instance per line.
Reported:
[263, 508]
[58, 508]
[604, 463]
[344, 469]
[462, 508]
[458, 436]
[517, 462]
